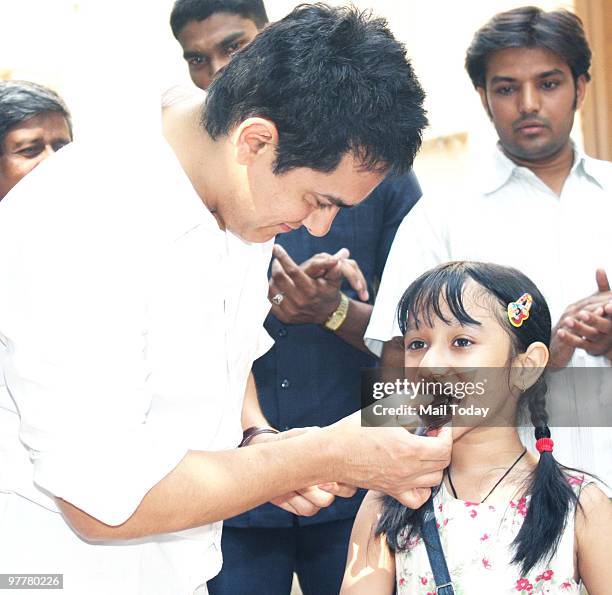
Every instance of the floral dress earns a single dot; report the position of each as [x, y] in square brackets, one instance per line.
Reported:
[476, 539]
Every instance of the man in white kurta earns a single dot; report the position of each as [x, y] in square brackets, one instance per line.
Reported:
[161, 319]
[134, 291]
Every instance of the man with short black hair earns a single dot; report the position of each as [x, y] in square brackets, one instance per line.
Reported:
[134, 294]
[321, 290]
[211, 31]
[34, 123]
[538, 204]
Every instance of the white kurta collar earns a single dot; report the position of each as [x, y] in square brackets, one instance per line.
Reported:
[499, 169]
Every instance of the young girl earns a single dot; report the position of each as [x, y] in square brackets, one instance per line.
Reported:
[508, 521]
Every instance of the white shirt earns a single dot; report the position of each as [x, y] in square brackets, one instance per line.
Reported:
[128, 325]
[509, 216]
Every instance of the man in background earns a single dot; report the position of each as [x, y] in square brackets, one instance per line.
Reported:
[321, 307]
[211, 31]
[34, 124]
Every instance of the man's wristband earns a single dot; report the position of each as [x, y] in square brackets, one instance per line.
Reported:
[336, 320]
[253, 431]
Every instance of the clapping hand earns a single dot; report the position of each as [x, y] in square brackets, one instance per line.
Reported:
[311, 291]
[586, 324]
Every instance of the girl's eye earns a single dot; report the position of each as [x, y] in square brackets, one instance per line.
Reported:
[462, 342]
[415, 345]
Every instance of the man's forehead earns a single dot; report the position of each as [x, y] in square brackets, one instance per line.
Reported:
[525, 62]
[22, 134]
[37, 126]
[204, 35]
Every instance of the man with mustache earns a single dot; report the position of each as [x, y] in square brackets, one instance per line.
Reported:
[539, 204]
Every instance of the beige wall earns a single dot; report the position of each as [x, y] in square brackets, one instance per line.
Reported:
[597, 111]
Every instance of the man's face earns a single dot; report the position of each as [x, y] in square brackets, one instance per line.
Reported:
[28, 143]
[302, 196]
[208, 45]
[531, 97]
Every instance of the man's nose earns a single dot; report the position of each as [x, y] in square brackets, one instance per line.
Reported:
[529, 100]
[319, 221]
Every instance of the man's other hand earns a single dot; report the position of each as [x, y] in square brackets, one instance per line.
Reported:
[311, 291]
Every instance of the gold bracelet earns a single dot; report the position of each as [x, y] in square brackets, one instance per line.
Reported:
[336, 320]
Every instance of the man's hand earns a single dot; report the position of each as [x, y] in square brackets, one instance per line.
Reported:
[390, 460]
[311, 291]
[586, 324]
[307, 501]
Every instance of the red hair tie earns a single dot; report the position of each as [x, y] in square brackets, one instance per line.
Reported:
[544, 445]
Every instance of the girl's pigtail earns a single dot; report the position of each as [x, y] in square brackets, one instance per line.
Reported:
[552, 498]
[399, 524]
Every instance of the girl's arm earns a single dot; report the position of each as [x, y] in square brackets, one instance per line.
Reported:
[594, 540]
[370, 567]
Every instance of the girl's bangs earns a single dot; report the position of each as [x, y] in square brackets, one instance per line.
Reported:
[426, 297]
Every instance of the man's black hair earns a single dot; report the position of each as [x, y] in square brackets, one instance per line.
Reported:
[558, 31]
[334, 81]
[22, 100]
[185, 11]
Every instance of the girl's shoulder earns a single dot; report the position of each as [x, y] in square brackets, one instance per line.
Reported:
[593, 537]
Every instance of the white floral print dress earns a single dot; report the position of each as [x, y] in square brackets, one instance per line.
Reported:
[476, 539]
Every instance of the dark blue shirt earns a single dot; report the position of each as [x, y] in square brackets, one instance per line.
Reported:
[311, 377]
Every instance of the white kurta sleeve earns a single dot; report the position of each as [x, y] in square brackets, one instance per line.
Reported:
[73, 319]
[420, 244]
[264, 343]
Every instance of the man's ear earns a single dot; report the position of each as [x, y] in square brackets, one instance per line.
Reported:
[252, 138]
[482, 92]
[581, 84]
[529, 366]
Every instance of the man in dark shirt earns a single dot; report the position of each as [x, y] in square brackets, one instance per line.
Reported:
[321, 308]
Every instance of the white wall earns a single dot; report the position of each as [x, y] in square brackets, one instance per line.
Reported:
[115, 54]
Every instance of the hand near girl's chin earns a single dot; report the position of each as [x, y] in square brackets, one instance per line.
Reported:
[418, 496]
[414, 498]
